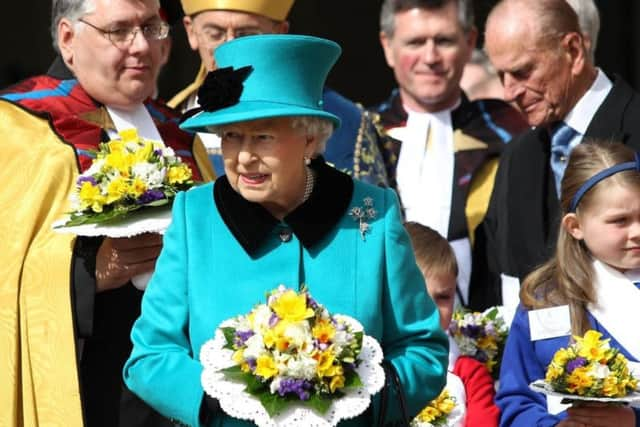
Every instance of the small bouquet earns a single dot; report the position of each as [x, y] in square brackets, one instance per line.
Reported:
[589, 367]
[436, 412]
[295, 360]
[127, 174]
[481, 336]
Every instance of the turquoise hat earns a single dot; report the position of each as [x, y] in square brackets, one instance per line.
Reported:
[283, 75]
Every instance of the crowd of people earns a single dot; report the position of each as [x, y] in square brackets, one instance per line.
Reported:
[495, 176]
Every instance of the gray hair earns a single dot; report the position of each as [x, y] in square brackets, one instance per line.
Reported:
[318, 127]
[70, 9]
[589, 19]
[392, 7]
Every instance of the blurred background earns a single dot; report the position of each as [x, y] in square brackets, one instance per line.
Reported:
[360, 74]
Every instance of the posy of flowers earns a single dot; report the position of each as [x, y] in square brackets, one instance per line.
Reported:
[590, 367]
[481, 336]
[127, 174]
[436, 412]
[291, 350]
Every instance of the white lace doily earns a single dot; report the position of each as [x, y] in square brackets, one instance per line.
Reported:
[151, 220]
[239, 404]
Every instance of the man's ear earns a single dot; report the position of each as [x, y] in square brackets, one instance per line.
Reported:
[575, 48]
[385, 41]
[66, 37]
[571, 224]
[190, 31]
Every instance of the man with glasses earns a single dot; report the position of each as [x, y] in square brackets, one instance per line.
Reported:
[68, 304]
[353, 148]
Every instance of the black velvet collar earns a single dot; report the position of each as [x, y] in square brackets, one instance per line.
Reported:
[251, 224]
[59, 70]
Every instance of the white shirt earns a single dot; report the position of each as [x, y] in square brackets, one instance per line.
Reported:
[582, 113]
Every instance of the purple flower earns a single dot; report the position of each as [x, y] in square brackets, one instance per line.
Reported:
[252, 363]
[150, 196]
[157, 152]
[273, 320]
[242, 337]
[311, 303]
[576, 363]
[83, 179]
[472, 331]
[298, 386]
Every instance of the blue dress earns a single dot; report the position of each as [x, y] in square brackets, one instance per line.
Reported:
[525, 361]
[222, 254]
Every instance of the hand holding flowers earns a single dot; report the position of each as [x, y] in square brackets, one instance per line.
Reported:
[290, 353]
[590, 367]
[127, 174]
[481, 336]
[436, 412]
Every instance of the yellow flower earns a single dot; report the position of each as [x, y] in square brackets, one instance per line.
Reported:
[116, 146]
[579, 380]
[292, 307]
[428, 414]
[324, 331]
[266, 367]
[591, 347]
[325, 366]
[143, 153]
[179, 174]
[129, 135]
[117, 189]
[119, 161]
[137, 188]
[336, 383]
[90, 196]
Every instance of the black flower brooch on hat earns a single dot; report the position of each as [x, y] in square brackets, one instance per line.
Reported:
[221, 88]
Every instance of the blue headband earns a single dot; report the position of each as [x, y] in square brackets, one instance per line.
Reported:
[600, 176]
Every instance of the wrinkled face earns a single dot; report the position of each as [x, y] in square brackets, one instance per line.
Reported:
[264, 162]
[537, 79]
[112, 75]
[209, 29]
[442, 289]
[610, 226]
[427, 52]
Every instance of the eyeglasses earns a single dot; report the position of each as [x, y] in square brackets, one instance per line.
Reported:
[124, 36]
[217, 35]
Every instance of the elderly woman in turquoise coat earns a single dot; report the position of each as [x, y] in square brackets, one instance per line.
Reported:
[280, 215]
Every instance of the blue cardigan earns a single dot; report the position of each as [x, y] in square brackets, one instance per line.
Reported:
[204, 276]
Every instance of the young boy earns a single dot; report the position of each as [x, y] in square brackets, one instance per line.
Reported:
[468, 379]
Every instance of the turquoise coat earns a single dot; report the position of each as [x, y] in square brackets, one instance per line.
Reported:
[204, 276]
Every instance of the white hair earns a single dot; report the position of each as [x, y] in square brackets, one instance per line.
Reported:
[589, 20]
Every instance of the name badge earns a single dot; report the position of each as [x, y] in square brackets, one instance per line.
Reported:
[549, 322]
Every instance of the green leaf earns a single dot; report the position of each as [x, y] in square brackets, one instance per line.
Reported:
[352, 379]
[235, 373]
[491, 315]
[229, 335]
[273, 403]
[319, 403]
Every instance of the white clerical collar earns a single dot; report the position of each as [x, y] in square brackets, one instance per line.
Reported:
[439, 113]
[582, 113]
[136, 118]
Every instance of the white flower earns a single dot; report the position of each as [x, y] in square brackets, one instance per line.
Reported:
[275, 384]
[299, 334]
[261, 316]
[255, 347]
[599, 371]
[149, 173]
[302, 366]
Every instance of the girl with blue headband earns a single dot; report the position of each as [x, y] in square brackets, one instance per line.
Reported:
[590, 283]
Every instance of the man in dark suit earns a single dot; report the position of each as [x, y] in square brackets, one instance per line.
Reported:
[539, 52]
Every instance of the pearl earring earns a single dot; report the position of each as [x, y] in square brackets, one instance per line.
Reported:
[307, 160]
